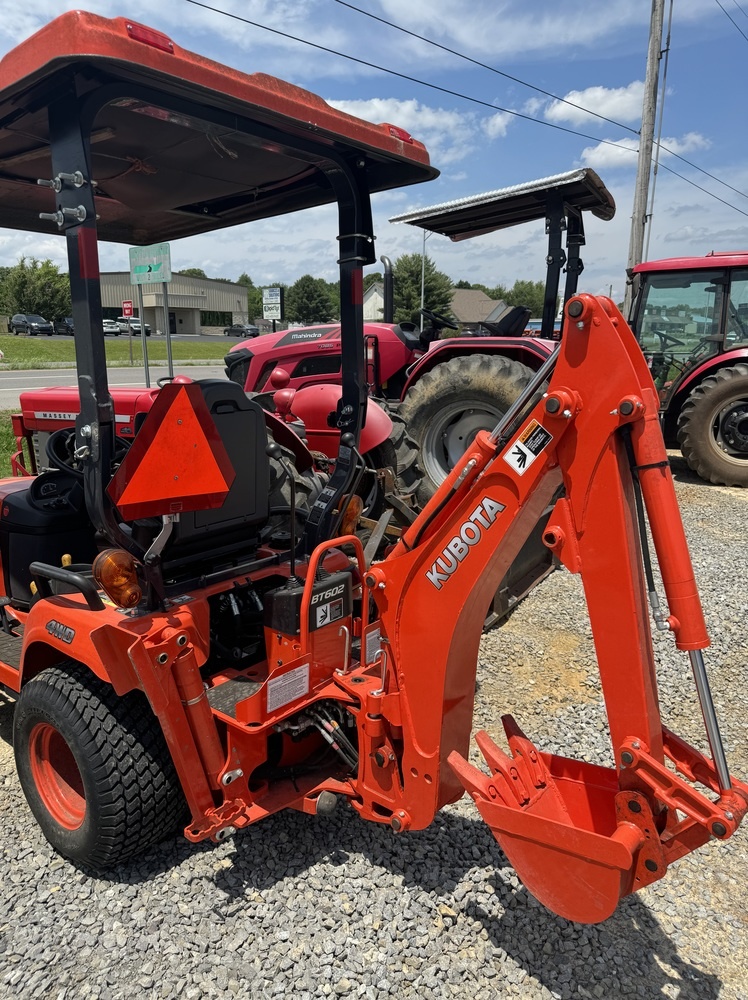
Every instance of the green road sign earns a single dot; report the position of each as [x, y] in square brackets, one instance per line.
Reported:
[150, 265]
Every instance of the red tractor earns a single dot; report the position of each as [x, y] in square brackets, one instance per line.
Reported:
[690, 316]
[444, 390]
[194, 634]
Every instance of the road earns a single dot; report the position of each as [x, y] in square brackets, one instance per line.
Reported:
[13, 383]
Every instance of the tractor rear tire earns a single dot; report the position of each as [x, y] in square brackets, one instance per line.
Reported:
[713, 427]
[94, 767]
[451, 403]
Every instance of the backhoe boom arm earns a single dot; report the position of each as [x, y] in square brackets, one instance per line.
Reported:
[558, 821]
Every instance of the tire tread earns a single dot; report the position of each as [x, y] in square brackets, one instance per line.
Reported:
[139, 800]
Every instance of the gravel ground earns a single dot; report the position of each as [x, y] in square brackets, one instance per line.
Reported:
[335, 907]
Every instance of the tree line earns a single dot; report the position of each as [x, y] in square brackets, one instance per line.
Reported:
[313, 300]
[33, 286]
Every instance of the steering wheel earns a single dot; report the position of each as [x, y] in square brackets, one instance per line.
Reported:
[666, 340]
[60, 450]
[437, 320]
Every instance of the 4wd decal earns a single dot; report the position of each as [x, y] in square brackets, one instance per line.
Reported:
[523, 451]
[471, 532]
[60, 631]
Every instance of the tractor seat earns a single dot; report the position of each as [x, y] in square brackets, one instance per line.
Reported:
[512, 323]
[207, 536]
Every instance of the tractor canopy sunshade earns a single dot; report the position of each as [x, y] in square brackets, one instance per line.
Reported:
[580, 190]
[164, 171]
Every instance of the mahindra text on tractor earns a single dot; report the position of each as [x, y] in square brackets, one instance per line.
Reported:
[196, 642]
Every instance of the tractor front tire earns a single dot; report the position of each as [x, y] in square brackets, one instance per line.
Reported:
[94, 767]
[447, 407]
[713, 427]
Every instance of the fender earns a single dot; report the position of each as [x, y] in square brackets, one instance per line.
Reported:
[531, 351]
[64, 628]
[709, 366]
[315, 403]
[284, 435]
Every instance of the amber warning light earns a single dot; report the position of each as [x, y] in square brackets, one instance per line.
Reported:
[115, 571]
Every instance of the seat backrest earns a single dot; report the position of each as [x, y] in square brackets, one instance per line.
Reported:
[240, 422]
[513, 322]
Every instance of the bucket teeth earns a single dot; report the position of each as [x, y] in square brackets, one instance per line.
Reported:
[574, 869]
[517, 781]
[510, 776]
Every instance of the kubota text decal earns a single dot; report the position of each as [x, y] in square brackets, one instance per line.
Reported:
[471, 532]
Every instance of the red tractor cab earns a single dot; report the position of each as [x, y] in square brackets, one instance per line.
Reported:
[690, 315]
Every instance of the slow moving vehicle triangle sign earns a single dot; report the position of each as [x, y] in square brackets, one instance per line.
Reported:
[177, 462]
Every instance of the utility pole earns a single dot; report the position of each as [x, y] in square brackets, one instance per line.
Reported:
[646, 140]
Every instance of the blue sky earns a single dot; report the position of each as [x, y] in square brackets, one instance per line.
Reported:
[591, 52]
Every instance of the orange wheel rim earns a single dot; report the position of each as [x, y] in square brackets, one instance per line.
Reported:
[57, 776]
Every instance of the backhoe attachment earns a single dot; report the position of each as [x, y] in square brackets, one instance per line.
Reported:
[581, 836]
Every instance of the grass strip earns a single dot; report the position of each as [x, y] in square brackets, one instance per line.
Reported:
[40, 352]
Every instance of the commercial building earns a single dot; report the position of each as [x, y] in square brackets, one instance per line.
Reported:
[196, 305]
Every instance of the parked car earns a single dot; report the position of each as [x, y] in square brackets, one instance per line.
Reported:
[134, 326]
[29, 325]
[241, 330]
[65, 326]
[111, 326]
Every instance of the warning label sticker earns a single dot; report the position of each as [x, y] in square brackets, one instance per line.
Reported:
[288, 687]
[330, 612]
[523, 451]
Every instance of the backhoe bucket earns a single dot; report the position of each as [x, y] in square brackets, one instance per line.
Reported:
[578, 843]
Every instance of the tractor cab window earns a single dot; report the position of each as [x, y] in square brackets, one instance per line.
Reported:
[736, 327]
[680, 313]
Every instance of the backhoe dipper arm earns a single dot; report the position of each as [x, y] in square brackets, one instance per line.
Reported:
[580, 836]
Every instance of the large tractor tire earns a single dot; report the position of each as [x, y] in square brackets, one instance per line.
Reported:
[399, 453]
[451, 403]
[713, 427]
[94, 767]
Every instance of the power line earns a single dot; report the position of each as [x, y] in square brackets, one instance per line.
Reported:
[473, 100]
[700, 188]
[491, 69]
[531, 86]
[404, 76]
[740, 8]
[737, 26]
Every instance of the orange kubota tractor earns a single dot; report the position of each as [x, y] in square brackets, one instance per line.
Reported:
[186, 658]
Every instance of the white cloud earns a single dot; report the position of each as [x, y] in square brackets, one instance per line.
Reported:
[612, 153]
[623, 104]
[623, 152]
[533, 106]
[487, 28]
[689, 142]
[495, 127]
[449, 136]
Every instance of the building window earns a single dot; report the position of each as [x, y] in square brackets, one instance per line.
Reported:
[216, 318]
